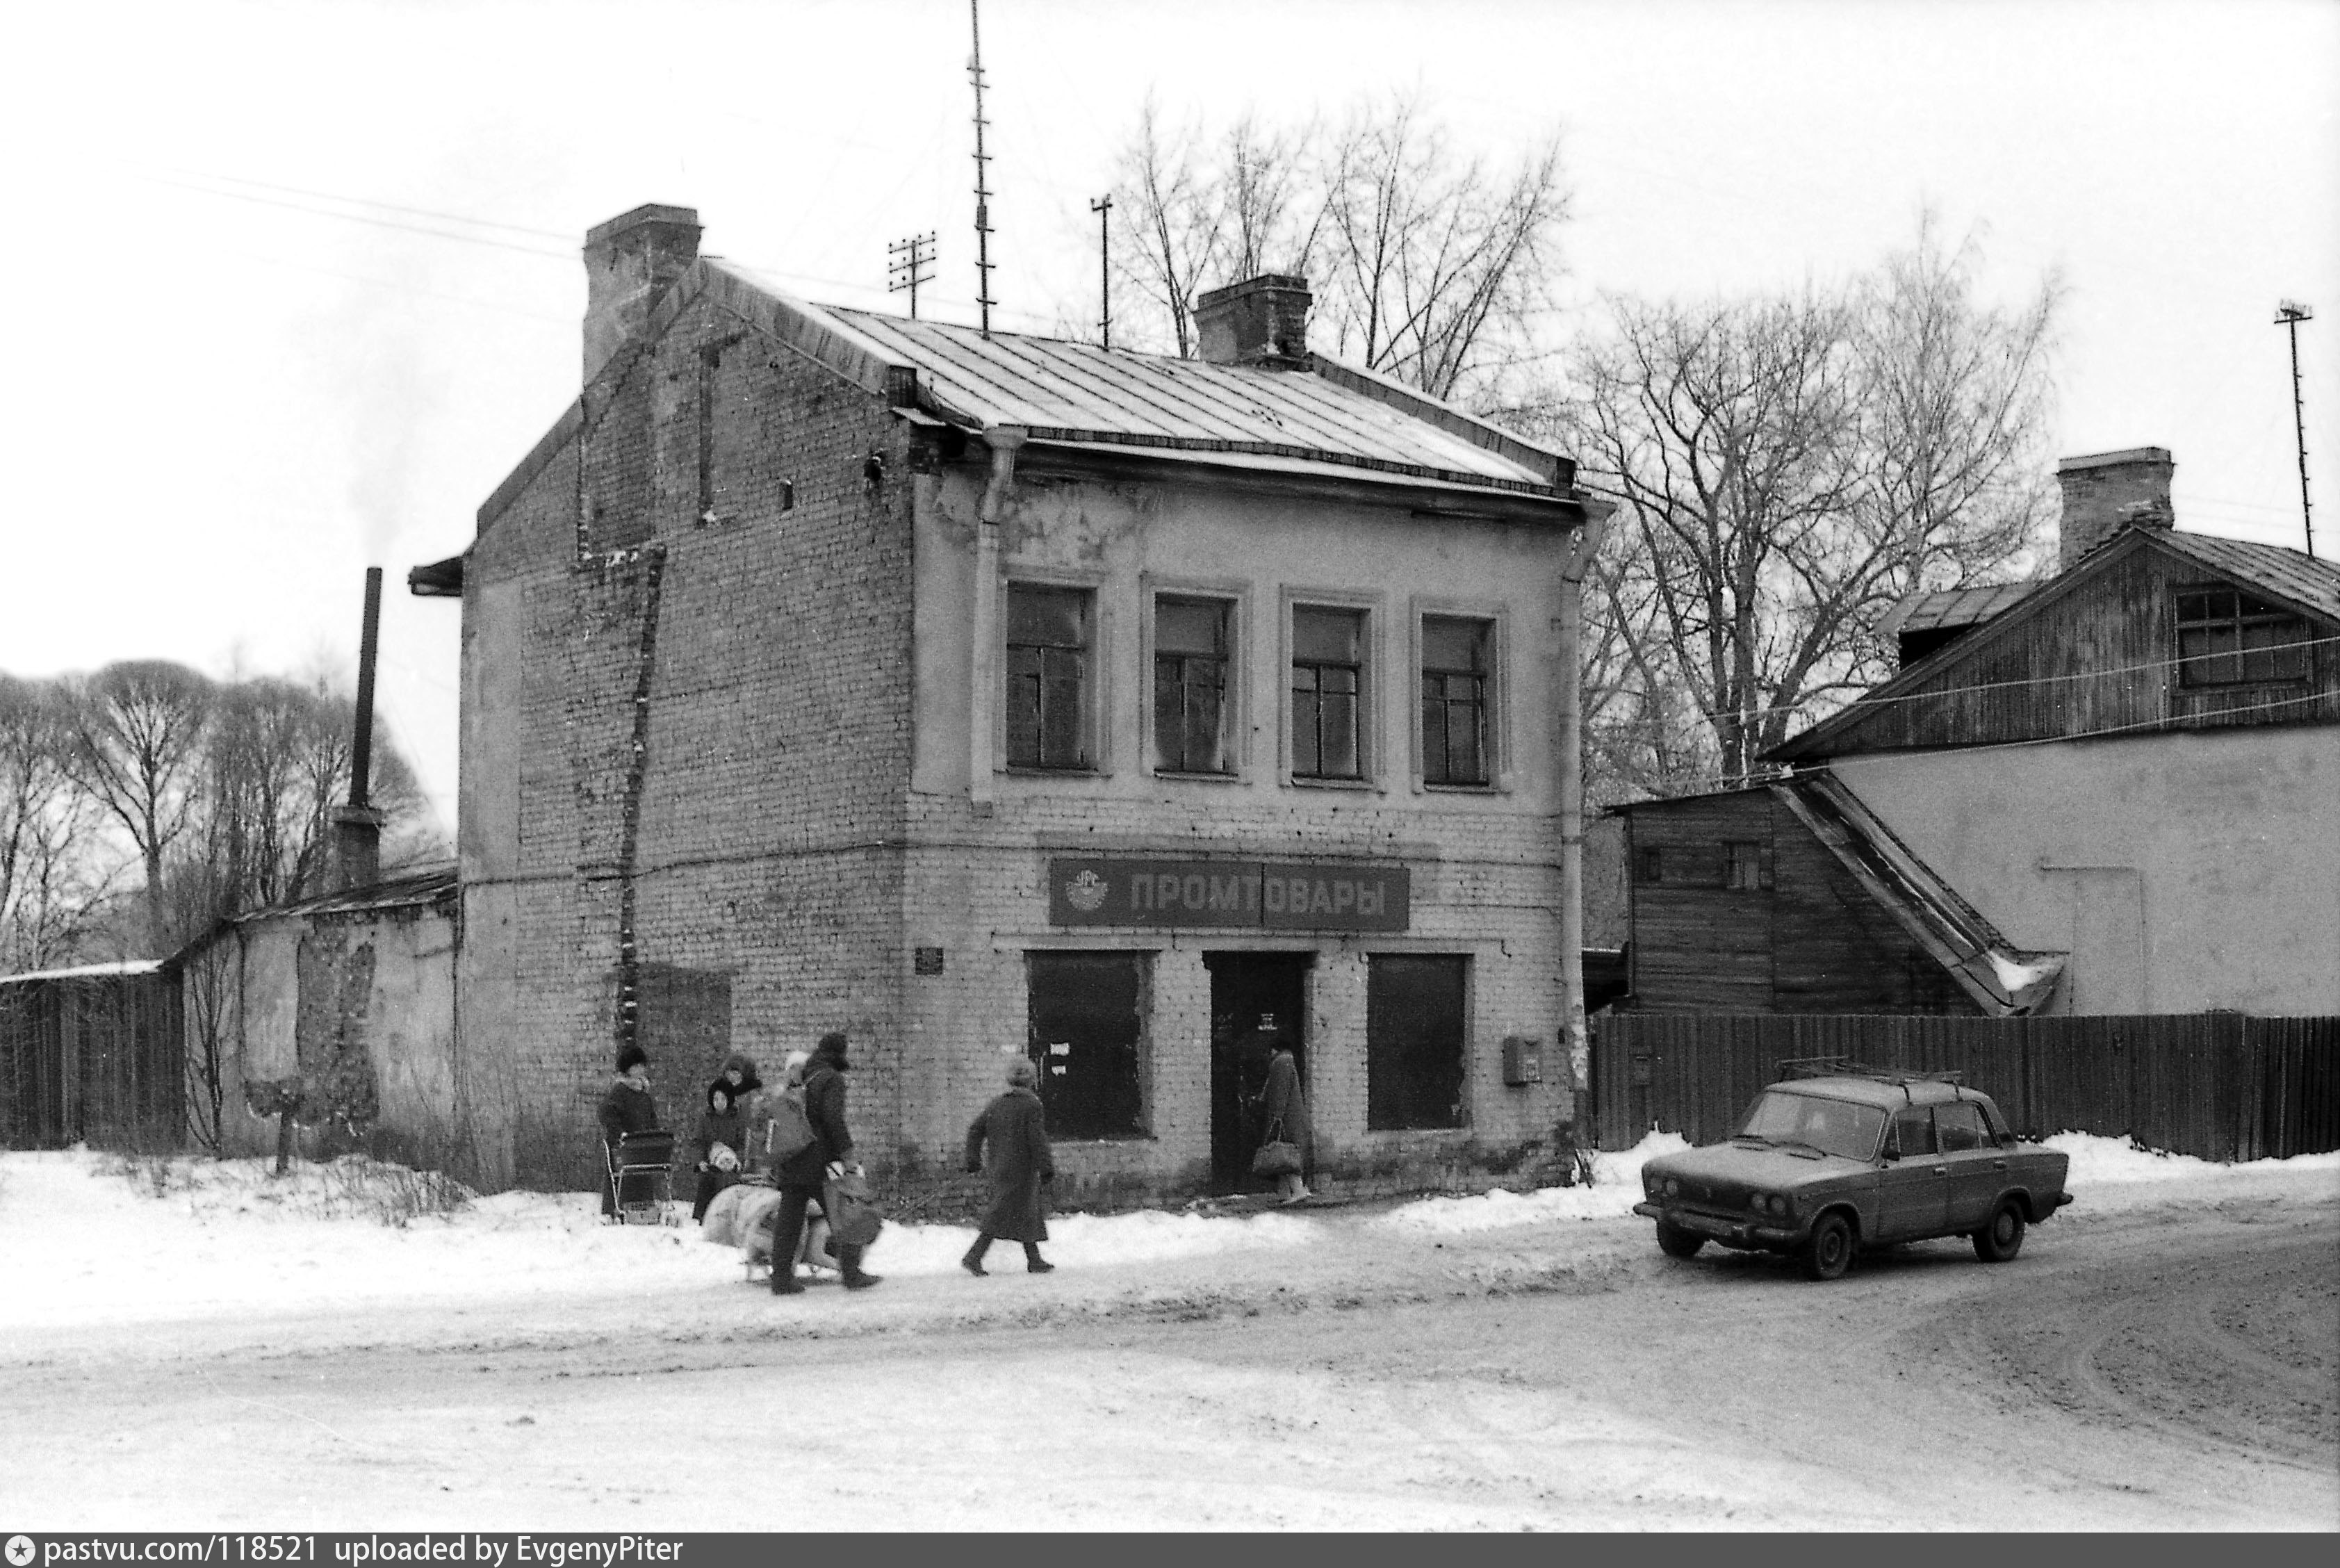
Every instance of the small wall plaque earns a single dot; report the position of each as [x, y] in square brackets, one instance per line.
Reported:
[928, 960]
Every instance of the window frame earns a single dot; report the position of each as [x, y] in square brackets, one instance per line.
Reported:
[1092, 704]
[1370, 609]
[2268, 614]
[1464, 1118]
[1495, 705]
[1142, 1066]
[1234, 697]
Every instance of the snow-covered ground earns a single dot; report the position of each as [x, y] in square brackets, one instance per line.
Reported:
[94, 1239]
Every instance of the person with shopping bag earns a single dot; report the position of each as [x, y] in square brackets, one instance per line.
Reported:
[1286, 1134]
[826, 1162]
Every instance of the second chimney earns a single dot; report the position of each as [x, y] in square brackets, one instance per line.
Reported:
[628, 262]
[2107, 493]
[1262, 321]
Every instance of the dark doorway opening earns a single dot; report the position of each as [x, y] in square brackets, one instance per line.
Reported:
[1249, 990]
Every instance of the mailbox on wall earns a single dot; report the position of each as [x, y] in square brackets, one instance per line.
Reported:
[1522, 1060]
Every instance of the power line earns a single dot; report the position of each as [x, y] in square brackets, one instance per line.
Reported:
[370, 202]
[570, 254]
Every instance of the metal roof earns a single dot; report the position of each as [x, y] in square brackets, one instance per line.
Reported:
[428, 884]
[1065, 391]
[2312, 584]
[1935, 608]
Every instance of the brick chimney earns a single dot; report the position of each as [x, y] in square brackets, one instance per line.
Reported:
[1261, 322]
[628, 262]
[2108, 492]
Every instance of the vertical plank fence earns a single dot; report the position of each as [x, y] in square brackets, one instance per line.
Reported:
[2220, 1085]
[91, 1057]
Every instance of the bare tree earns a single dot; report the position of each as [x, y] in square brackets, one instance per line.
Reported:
[138, 737]
[1791, 465]
[1430, 267]
[1441, 268]
[52, 879]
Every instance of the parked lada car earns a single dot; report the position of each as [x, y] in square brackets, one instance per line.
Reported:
[1822, 1166]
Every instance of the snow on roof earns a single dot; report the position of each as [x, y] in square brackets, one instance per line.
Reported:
[87, 971]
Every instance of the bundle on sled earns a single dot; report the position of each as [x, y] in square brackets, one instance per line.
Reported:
[744, 1216]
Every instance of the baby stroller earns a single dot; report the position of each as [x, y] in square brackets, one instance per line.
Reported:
[642, 1175]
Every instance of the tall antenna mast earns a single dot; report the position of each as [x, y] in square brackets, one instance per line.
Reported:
[982, 174]
[2290, 314]
[1103, 208]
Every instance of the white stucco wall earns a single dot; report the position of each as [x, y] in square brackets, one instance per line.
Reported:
[2183, 872]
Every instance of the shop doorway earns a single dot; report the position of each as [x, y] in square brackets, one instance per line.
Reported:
[1255, 997]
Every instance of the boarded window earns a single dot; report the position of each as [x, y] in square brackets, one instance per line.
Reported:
[1047, 676]
[1190, 681]
[1650, 864]
[1454, 700]
[2225, 637]
[1415, 1026]
[1746, 866]
[1087, 1029]
[1327, 683]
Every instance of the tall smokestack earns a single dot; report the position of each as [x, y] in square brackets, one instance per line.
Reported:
[357, 827]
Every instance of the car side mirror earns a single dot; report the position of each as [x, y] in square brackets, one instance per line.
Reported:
[1891, 1153]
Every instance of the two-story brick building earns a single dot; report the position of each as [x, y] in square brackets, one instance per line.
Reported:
[980, 694]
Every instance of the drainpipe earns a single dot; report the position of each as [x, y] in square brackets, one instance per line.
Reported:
[1568, 759]
[983, 698]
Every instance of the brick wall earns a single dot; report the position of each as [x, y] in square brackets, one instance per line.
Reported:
[715, 742]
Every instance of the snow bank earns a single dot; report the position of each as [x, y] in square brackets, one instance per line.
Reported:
[1616, 1188]
[2101, 1161]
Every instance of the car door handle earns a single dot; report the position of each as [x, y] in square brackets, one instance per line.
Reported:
[1941, 1170]
[1998, 1165]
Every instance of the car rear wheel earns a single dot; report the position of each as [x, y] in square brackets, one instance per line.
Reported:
[2002, 1238]
[1829, 1252]
[1676, 1241]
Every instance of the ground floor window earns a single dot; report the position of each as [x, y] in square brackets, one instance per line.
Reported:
[1415, 1030]
[1087, 1029]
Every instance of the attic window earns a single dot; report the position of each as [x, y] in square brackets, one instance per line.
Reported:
[2227, 638]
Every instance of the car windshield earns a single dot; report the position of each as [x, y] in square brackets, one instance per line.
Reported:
[1831, 1127]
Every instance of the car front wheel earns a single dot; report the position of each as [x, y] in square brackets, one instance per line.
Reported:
[1829, 1252]
[1676, 1241]
[2002, 1238]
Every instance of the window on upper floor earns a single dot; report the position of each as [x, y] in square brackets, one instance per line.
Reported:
[1328, 671]
[1048, 643]
[1191, 722]
[2227, 638]
[1454, 653]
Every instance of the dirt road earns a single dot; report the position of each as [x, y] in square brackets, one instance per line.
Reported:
[2147, 1368]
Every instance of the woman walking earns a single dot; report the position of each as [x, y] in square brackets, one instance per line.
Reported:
[1011, 1137]
[1284, 1114]
[827, 1157]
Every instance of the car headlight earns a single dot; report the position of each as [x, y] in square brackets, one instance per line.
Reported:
[1672, 1187]
[1778, 1204]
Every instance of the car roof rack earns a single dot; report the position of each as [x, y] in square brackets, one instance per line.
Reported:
[1847, 1067]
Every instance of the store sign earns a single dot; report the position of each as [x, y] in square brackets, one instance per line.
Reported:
[1223, 895]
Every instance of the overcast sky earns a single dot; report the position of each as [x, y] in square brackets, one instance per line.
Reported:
[295, 286]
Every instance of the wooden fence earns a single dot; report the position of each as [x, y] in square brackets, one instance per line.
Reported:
[2220, 1085]
[92, 1058]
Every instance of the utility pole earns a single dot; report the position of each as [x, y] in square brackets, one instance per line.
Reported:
[2290, 314]
[906, 268]
[1103, 208]
[982, 174]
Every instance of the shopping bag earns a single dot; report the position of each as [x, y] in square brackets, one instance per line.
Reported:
[852, 1209]
[1277, 1156]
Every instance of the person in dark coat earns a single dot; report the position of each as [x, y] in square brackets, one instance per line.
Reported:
[1283, 1108]
[627, 1107]
[722, 1134]
[830, 1154]
[1013, 1131]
